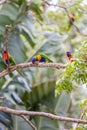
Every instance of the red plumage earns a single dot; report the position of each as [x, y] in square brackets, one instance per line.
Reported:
[7, 57]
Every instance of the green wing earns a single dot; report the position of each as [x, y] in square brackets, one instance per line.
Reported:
[14, 63]
[46, 57]
[12, 60]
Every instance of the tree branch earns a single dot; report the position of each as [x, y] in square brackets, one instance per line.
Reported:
[81, 117]
[66, 10]
[30, 64]
[43, 114]
[29, 122]
[3, 1]
[2, 98]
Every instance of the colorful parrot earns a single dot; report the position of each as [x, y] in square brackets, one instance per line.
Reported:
[70, 56]
[72, 19]
[41, 58]
[9, 60]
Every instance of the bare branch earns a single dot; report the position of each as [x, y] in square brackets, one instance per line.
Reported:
[29, 122]
[43, 114]
[30, 64]
[66, 10]
[81, 117]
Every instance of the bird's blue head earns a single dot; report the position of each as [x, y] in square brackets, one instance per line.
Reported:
[68, 53]
[34, 60]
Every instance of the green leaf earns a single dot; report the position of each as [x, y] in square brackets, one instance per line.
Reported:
[36, 9]
[3, 66]
[16, 98]
[58, 104]
[2, 81]
[37, 93]
[19, 2]
[5, 20]
[2, 30]
[7, 120]
[17, 48]
[28, 37]
[62, 106]
[9, 10]
[53, 42]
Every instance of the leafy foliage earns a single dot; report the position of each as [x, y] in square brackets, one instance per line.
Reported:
[75, 72]
[38, 29]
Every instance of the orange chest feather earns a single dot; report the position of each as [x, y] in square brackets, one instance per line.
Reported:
[72, 17]
[6, 56]
[38, 57]
[71, 58]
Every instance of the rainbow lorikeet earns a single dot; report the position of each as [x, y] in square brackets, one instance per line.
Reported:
[9, 60]
[72, 19]
[70, 56]
[41, 58]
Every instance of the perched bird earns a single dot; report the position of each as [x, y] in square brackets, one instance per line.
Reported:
[9, 60]
[41, 58]
[72, 19]
[70, 56]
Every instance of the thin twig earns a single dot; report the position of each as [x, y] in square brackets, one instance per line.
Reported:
[30, 64]
[2, 98]
[43, 114]
[72, 4]
[81, 117]
[29, 122]
[66, 10]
